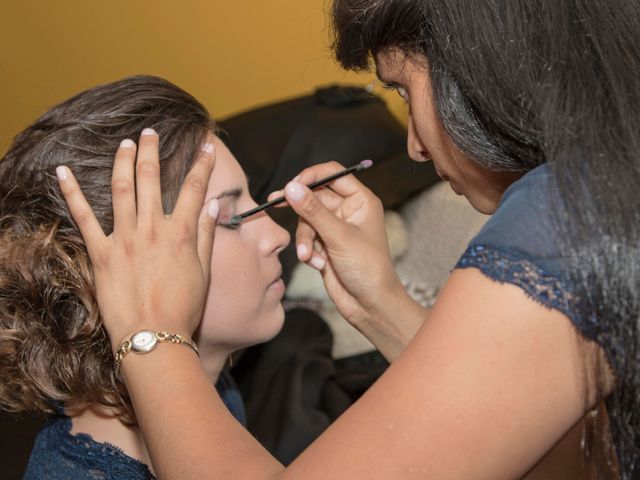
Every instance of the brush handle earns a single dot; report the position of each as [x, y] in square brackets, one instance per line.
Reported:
[318, 183]
[238, 218]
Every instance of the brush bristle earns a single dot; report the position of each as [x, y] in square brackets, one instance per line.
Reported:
[366, 163]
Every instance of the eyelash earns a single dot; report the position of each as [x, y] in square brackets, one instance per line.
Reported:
[401, 91]
[229, 226]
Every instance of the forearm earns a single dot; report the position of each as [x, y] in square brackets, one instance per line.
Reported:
[214, 435]
[458, 365]
[393, 322]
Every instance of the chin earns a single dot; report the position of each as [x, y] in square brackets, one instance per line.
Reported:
[271, 327]
[482, 205]
[267, 332]
[246, 334]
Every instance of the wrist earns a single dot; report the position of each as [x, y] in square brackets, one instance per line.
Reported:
[120, 331]
[118, 337]
[146, 341]
[393, 321]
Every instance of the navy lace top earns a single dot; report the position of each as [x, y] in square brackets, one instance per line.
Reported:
[57, 454]
[518, 246]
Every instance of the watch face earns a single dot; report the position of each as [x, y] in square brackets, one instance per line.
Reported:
[144, 341]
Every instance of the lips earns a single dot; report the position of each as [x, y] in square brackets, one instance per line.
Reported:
[276, 277]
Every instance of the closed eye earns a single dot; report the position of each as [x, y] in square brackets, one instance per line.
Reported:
[228, 207]
[229, 225]
[398, 89]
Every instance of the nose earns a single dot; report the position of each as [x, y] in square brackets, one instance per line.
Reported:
[274, 238]
[415, 148]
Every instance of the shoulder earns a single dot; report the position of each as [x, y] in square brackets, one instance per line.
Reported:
[58, 454]
[520, 246]
[523, 223]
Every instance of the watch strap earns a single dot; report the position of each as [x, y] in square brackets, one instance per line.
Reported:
[162, 337]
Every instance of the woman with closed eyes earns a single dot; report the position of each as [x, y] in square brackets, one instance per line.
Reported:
[55, 355]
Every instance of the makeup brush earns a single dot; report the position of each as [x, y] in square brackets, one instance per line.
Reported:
[318, 183]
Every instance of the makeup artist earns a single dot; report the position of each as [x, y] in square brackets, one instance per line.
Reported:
[528, 108]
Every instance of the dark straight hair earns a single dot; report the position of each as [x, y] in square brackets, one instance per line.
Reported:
[519, 83]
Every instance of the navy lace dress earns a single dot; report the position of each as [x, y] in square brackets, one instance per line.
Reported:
[58, 454]
[518, 245]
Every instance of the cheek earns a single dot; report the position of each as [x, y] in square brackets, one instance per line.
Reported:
[423, 110]
[238, 312]
[235, 291]
[428, 131]
[233, 270]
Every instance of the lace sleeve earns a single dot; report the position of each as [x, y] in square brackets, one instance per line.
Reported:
[542, 287]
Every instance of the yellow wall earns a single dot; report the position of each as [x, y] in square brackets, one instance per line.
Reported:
[230, 54]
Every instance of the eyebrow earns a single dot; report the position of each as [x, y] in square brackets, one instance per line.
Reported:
[233, 192]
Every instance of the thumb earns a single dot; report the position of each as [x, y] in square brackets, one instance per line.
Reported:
[206, 232]
[309, 207]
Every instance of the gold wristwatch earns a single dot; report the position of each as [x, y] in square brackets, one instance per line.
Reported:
[146, 341]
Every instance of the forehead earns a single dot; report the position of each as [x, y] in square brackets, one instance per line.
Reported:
[227, 173]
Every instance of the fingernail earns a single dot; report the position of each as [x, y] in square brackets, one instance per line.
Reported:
[317, 262]
[148, 131]
[208, 148]
[127, 143]
[214, 208]
[302, 251]
[62, 173]
[295, 191]
[296, 178]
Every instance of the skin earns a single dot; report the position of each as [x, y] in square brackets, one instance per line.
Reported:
[244, 264]
[487, 368]
[427, 139]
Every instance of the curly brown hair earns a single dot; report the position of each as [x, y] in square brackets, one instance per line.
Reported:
[53, 347]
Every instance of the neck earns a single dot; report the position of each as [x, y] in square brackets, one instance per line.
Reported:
[214, 357]
[104, 426]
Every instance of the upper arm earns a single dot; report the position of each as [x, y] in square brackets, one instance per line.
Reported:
[489, 384]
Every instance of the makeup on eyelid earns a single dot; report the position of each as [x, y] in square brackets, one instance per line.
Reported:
[228, 207]
[228, 210]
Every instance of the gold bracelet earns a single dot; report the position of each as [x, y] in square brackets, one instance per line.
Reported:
[146, 341]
